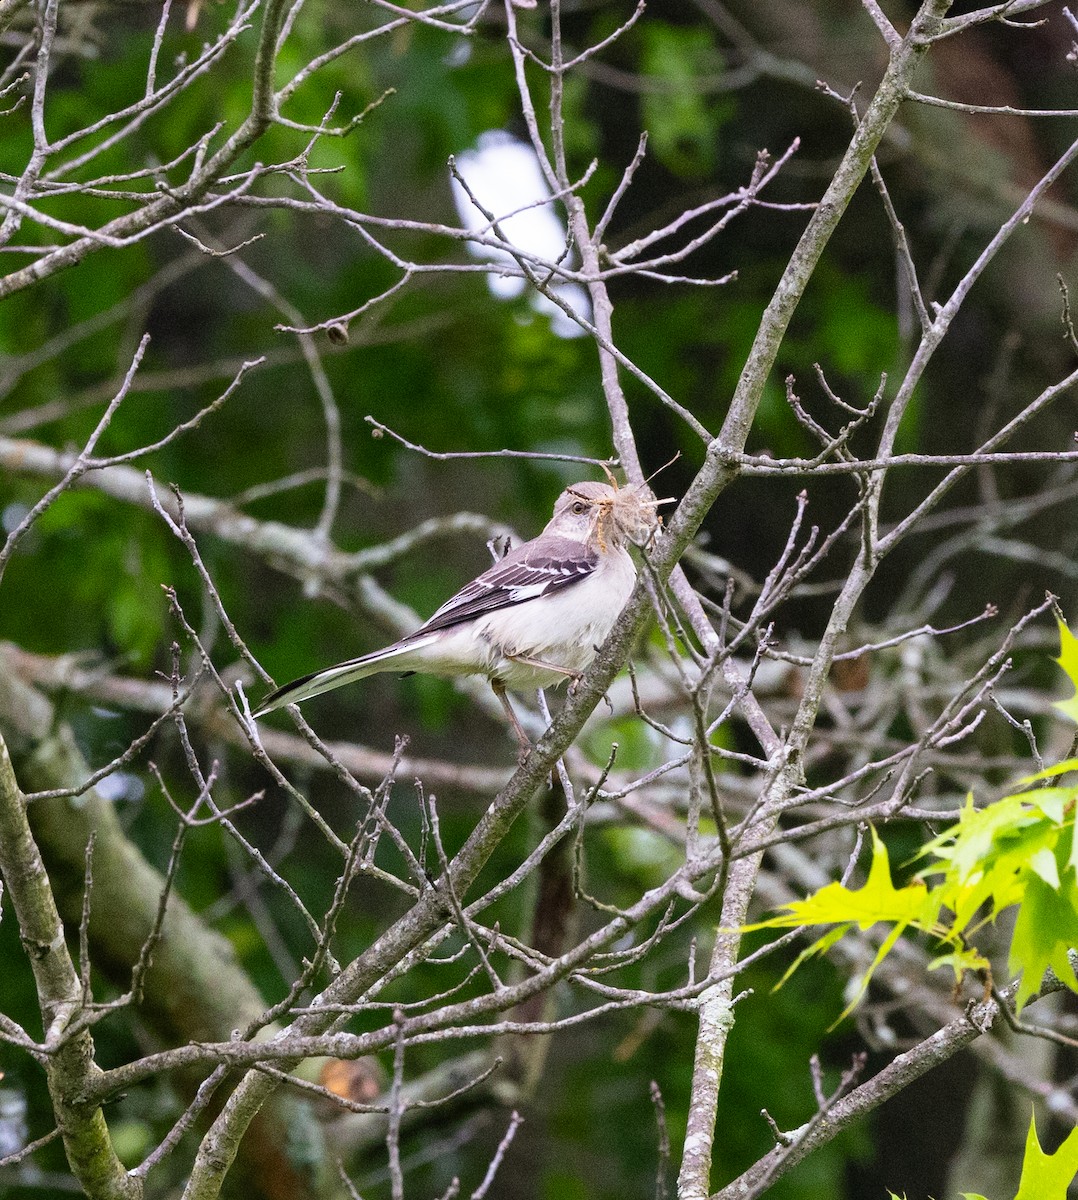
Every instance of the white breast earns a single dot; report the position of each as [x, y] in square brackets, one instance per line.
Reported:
[563, 629]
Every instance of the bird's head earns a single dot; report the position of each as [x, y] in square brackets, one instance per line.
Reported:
[609, 514]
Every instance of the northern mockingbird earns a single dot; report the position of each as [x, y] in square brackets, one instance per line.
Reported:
[534, 619]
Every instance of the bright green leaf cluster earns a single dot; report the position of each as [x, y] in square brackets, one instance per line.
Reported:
[1017, 853]
[1044, 1176]
[1047, 1176]
[1068, 660]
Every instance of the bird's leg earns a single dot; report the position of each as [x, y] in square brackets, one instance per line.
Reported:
[574, 677]
[518, 729]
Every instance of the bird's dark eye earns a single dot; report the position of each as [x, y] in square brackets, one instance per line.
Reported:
[578, 508]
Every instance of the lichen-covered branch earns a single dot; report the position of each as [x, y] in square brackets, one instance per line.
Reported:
[69, 1061]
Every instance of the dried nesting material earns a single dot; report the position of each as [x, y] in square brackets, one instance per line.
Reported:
[625, 513]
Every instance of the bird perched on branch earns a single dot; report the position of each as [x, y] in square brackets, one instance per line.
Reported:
[534, 619]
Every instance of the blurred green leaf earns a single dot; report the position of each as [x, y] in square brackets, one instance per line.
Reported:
[682, 114]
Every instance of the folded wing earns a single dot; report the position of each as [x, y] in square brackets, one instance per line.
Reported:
[522, 575]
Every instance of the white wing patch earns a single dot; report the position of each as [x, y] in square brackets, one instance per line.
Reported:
[528, 591]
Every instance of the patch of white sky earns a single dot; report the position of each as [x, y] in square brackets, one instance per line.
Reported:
[505, 177]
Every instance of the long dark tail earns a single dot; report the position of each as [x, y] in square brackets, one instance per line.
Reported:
[393, 657]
